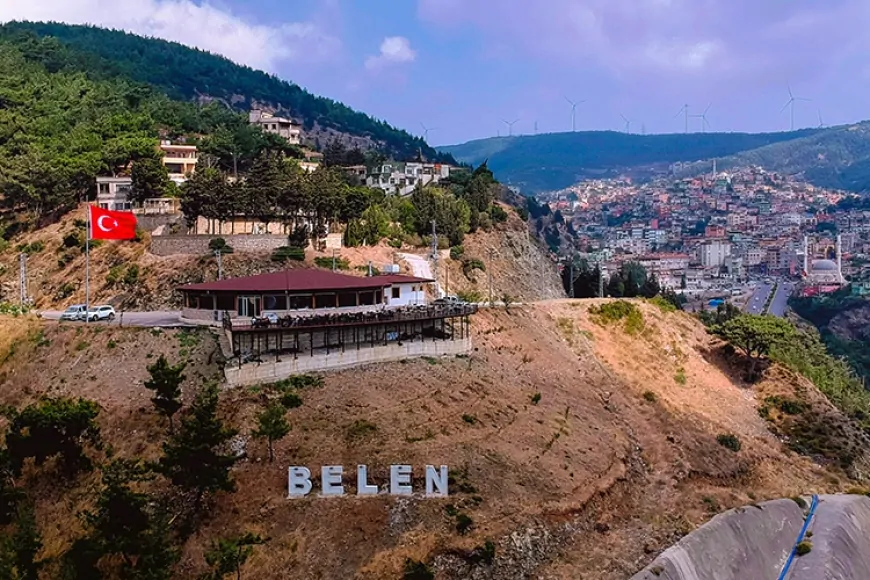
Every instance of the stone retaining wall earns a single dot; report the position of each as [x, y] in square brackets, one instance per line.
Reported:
[270, 371]
[198, 244]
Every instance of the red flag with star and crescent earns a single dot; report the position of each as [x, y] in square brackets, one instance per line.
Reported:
[111, 225]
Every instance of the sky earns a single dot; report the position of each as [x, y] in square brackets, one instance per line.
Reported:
[466, 69]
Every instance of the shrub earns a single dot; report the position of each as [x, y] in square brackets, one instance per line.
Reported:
[469, 265]
[536, 398]
[801, 502]
[650, 396]
[220, 245]
[470, 296]
[803, 548]
[285, 253]
[786, 405]
[456, 252]
[326, 262]
[619, 310]
[131, 277]
[729, 441]
[415, 570]
[663, 304]
[73, 240]
[360, 429]
[497, 214]
[680, 376]
[464, 523]
[470, 419]
[290, 400]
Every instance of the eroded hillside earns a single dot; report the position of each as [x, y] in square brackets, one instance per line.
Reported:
[578, 449]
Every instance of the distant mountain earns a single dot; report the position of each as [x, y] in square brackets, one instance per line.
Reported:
[838, 157]
[189, 74]
[552, 161]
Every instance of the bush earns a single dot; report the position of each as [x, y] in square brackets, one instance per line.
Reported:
[220, 245]
[470, 296]
[680, 376]
[288, 253]
[131, 277]
[73, 240]
[664, 304]
[470, 419]
[497, 214]
[729, 441]
[471, 264]
[415, 570]
[536, 398]
[650, 396]
[360, 429]
[619, 310]
[456, 252]
[290, 400]
[803, 548]
[326, 262]
[464, 523]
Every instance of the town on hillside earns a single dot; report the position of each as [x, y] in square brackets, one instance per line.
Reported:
[724, 235]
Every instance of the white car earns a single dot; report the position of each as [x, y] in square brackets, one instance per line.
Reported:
[74, 312]
[104, 312]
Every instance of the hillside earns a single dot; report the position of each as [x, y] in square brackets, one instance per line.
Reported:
[573, 450]
[553, 161]
[128, 276]
[188, 74]
[838, 157]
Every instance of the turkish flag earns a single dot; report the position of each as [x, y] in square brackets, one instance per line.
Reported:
[111, 225]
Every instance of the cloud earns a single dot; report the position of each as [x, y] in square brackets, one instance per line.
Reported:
[712, 39]
[201, 25]
[394, 50]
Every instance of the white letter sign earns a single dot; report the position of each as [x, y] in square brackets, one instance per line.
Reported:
[330, 475]
[362, 487]
[299, 481]
[400, 479]
[436, 479]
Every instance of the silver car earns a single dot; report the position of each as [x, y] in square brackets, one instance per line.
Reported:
[74, 312]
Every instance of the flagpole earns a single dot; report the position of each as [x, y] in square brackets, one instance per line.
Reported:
[88, 268]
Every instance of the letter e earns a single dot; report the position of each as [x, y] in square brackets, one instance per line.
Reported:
[299, 481]
[362, 487]
[436, 479]
[330, 475]
[400, 479]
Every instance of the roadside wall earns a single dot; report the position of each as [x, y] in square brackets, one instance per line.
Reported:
[745, 543]
[198, 244]
[270, 371]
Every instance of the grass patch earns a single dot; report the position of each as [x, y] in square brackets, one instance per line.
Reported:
[464, 523]
[429, 434]
[470, 419]
[802, 503]
[111, 344]
[360, 429]
[662, 304]
[786, 405]
[619, 311]
[431, 360]
[82, 345]
[680, 376]
[650, 396]
[729, 441]
[711, 504]
[326, 262]
[188, 338]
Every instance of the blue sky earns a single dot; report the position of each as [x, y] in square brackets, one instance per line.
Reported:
[462, 67]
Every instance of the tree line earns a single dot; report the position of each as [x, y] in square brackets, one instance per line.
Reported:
[277, 190]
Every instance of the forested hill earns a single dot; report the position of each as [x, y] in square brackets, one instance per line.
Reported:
[556, 160]
[189, 74]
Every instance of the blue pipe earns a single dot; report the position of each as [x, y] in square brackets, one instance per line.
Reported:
[800, 538]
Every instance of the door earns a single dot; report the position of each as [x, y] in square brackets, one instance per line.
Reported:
[249, 306]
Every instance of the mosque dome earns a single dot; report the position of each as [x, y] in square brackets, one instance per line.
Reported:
[824, 266]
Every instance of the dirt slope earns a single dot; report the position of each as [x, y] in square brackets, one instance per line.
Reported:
[588, 480]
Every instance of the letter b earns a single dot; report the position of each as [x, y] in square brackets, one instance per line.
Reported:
[299, 481]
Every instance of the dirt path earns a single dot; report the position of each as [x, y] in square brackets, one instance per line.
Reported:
[421, 268]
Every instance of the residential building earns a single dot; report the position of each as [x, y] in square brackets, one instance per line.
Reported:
[113, 193]
[402, 178]
[280, 126]
[179, 160]
[712, 253]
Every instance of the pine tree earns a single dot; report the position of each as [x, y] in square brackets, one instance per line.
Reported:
[272, 425]
[193, 458]
[150, 179]
[166, 382]
[227, 556]
[26, 543]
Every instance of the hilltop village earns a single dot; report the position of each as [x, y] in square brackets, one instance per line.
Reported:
[709, 235]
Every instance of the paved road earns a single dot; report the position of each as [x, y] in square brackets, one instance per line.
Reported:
[780, 300]
[756, 303]
[146, 319]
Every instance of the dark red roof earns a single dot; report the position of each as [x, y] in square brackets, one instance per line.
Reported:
[302, 280]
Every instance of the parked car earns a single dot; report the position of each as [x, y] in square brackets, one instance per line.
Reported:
[104, 312]
[74, 312]
[449, 301]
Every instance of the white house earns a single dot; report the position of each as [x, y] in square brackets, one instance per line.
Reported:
[405, 294]
[280, 126]
[402, 178]
[113, 193]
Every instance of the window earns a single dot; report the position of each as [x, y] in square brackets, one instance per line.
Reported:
[104, 188]
[397, 292]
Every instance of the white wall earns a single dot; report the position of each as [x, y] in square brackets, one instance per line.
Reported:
[409, 294]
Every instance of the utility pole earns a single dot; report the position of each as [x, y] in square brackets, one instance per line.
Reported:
[571, 278]
[22, 277]
[601, 282]
[333, 259]
[217, 254]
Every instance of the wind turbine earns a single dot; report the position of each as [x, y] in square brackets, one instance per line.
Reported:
[426, 131]
[821, 124]
[703, 117]
[684, 110]
[627, 123]
[574, 113]
[790, 103]
[510, 125]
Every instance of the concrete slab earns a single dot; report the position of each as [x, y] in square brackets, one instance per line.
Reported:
[840, 541]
